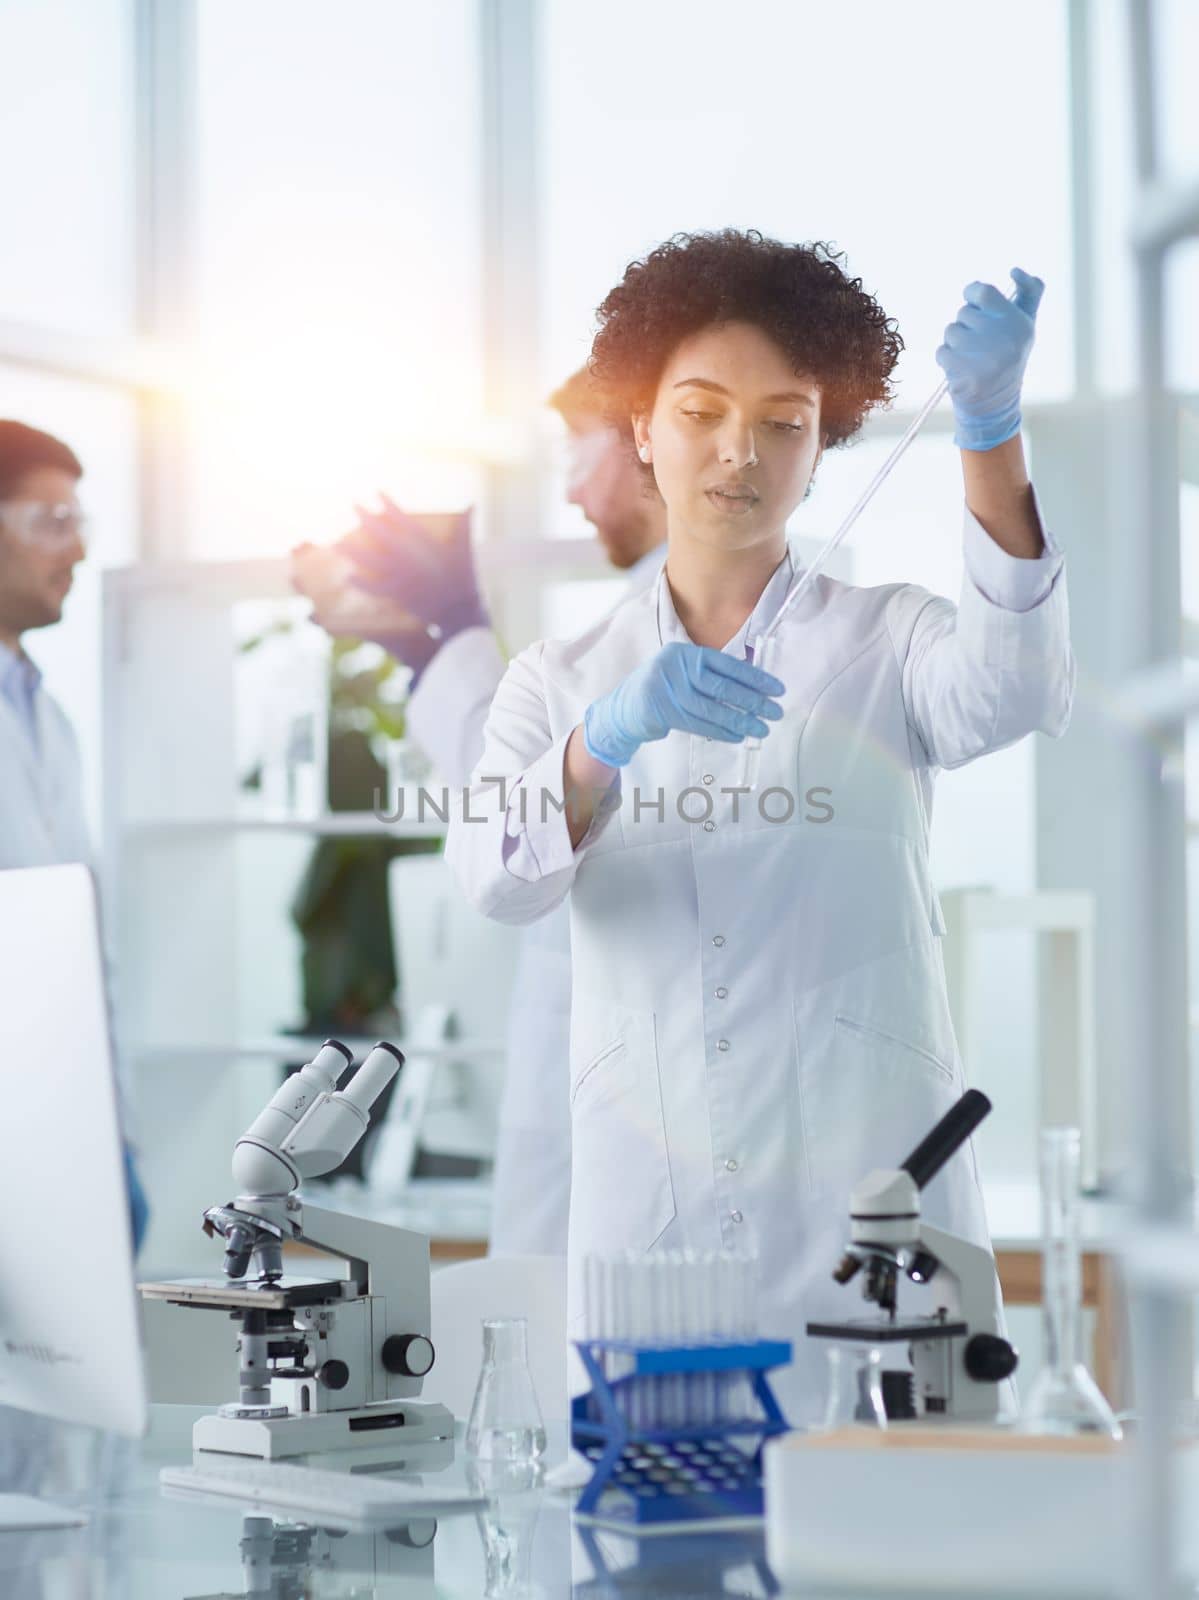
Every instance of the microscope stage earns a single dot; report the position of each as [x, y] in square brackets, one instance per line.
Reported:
[222, 1294]
[916, 1330]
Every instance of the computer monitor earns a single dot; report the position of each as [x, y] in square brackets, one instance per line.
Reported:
[70, 1343]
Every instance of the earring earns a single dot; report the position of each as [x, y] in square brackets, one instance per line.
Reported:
[644, 452]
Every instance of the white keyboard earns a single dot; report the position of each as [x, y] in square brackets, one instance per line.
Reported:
[343, 1496]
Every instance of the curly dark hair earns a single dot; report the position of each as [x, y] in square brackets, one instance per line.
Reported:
[798, 294]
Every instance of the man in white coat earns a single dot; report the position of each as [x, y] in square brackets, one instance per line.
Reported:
[42, 821]
[454, 678]
[759, 1006]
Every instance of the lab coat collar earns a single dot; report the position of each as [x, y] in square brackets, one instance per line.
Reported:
[18, 674]
[646, 568]
[771, 598]
[20, 681]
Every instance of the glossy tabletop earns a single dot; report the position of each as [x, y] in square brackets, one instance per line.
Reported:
[143, 1543]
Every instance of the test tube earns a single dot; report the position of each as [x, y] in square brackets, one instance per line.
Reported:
[652, 1335]
[615, 1301]
[699, 1291]
[637, 1272]
[742, 1277]
[674, 1386]
[736, 1328]
[595, 1310]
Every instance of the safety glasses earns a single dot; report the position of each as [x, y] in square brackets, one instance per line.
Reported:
[40, 522]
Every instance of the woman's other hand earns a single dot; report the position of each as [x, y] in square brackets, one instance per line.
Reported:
[688, 687]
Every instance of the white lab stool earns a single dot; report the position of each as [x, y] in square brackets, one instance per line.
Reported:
[533, 1287]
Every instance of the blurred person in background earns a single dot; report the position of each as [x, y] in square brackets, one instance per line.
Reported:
[457, 665]
[42, 541]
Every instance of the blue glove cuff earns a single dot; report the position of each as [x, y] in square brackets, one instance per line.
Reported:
[418, 647]
[466, 612]
[986, 433]
[139, 1209]
[600, 740]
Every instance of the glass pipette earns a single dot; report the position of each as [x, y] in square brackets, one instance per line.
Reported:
[762, 644]
[799, 586]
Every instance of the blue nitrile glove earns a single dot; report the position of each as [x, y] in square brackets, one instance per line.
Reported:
[139, 1208]
[396, 556]
[687, 686]
[984, 355]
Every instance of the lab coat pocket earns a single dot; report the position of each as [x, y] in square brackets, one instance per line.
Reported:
[869, 1096]
[621, 1194]
[867, 1034]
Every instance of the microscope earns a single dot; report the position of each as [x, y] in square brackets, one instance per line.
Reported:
[283, 1559]
[959, 1354]
[325, 1363]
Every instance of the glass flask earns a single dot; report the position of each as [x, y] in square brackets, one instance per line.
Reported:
[855, 1386]
[505, 1420]
[507, 1525]
[1065, 1399]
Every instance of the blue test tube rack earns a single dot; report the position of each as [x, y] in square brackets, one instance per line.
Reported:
[678, 1473]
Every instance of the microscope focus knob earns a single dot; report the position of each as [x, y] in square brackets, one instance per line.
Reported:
[990, 1359]
[334, 1374]
[409, 1355]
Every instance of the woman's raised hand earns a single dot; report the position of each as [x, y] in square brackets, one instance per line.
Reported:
[986, 349]
[685, 686]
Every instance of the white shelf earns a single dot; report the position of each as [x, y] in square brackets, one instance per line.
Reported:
[293, 1047]
[340, 825]
[210, 955]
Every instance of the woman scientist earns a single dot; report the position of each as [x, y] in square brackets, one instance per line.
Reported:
[759, 1012]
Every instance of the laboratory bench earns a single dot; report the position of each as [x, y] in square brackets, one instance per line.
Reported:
[513, 1543]
[143, 1544]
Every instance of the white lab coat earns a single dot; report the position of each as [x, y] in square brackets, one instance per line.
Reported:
[42, 822]
[759, 1009]
[42, 818]
[531, 1187]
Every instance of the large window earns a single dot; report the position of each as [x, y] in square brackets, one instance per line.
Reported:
[337, 266]
[930, 144]
[67, 267]
[66, 177]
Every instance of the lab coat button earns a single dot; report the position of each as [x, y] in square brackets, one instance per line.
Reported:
[722, 992]
[736, 1216]
[709, 826]
[718, 939]
[708, 778]
[730, 1165]
[722, 1044]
